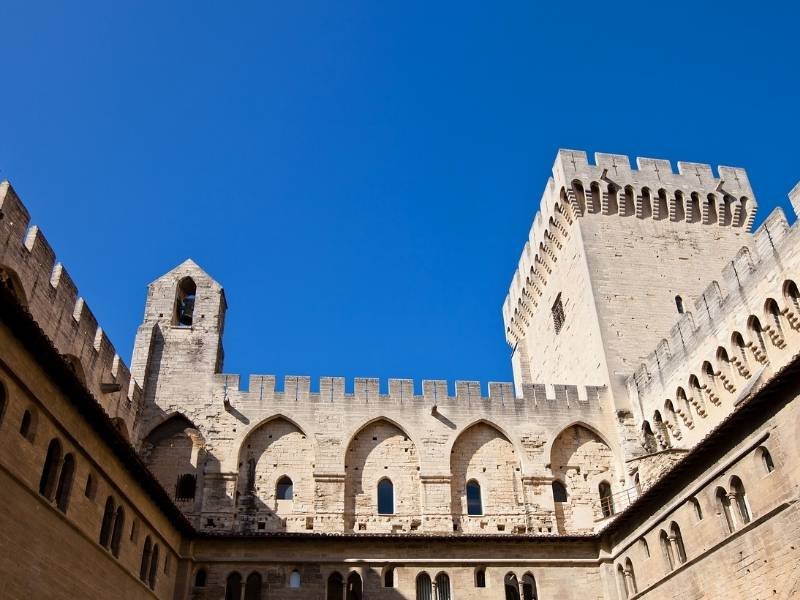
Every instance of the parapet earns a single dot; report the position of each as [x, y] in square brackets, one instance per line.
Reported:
[431, 393]
[45, 288]
[611, 186]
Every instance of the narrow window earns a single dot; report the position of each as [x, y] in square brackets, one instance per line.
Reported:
[511, 587]
[474, 502]
[385, 497]
[167, 562]
[424, 587]
[724, 508]
[792, 294]
[335, 587]
[443, 586]
[528, 587]
[766, 459]
[662, 429]
[754, 325]
[146, 550]
[186, 487]
[91, 487]
[645, 548]
[480, 577]
[649, 438]
[135, 530]
[47, 483]
[354, 588]
[698, 511]
[151, 579]
[116, 535]
[252, 587]
[559, 491]
[741, 499]
[558, 314]
[774, 314]
[621, 583]
[200, 578]
[64, 488]
[606, 500]
[26, 426]
[666, 551]
[184, 304]
[233, 587]
[108, 519]
[284, 490]
[676, 534]
[631, 576]
[738, 343]
[679, 304]
[294, 579]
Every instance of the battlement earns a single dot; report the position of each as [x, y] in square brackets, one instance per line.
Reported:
[773, 250]
[366, 390]
[652, 191]
[28, 265]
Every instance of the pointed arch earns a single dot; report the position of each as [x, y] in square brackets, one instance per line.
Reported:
[13, 284]
[185, 295]
[173, 450]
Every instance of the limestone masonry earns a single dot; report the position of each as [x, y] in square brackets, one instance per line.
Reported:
[645, 448]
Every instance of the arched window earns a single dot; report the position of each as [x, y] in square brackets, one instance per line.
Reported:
[631, 576]
[724, 508]
[662, 429]
[27, 427]
[621, 583]
[108, 520]
[711, 210]
[580, 195]
[606, 500]
[480, 577]
[385, 497]
[649, 438]
[739, 347]
[186, 487]
[91, 487]
[284, 489]
[698, 511]
[679, 304]
[511, 586]
[680, 204]
[737, 489]
[335, 589]
[151, 578]
[697, 393]
[294, 579]
[773, 313]
[252, 587]
[766, 459]
[710, 376]
[388, 577]
[184, 303]
[528, 587]
[474, 500]
[424, 587]
[644, 547]
[354, 586]
[694, 207]
[679, 547]
[64, 488]
[647, 204]
[559, 491]
[116, 535]
[233, 586]
[792, 294]
[683, 401]
[669, 410]
[666, 551]
[629, 202]
[443, 586]
[47, 483]
[756, 332]
[200, 578]
[145, 566]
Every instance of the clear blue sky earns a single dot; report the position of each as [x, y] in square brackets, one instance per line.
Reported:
[361, 177]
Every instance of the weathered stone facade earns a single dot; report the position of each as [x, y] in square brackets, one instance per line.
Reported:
[644, 449]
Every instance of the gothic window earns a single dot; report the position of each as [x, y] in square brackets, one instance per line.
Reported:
[385, 497]
[146, 550]
[151, 578]
[116, 535]
[335, 587]
[284, 489]
[679, 547]
[528, 587]
[766, 459]
[666, 551]
[64, 487]
[91, 487]
[186, 487]
[606, 500]
[252, 587]
[644, 547]
[294, 579]
[47, 483]
[443, 586]
[559, 491]
[679, 304]
[27, 427]
[354, 586]
[480, 577]
[512, 587]
[474, 500]
[631, 576]
[233, 586]
[724, 509]
[200, 578]
[558, 314]
[698, 511]
[108, 520]
[388, 577]
[741, 499]
[424, 587]
[184, 303]
[621, 583]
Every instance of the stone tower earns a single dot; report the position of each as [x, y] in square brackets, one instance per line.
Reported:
[178, 346]
[613, 256]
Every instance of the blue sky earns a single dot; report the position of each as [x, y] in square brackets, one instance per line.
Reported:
[361, 176]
